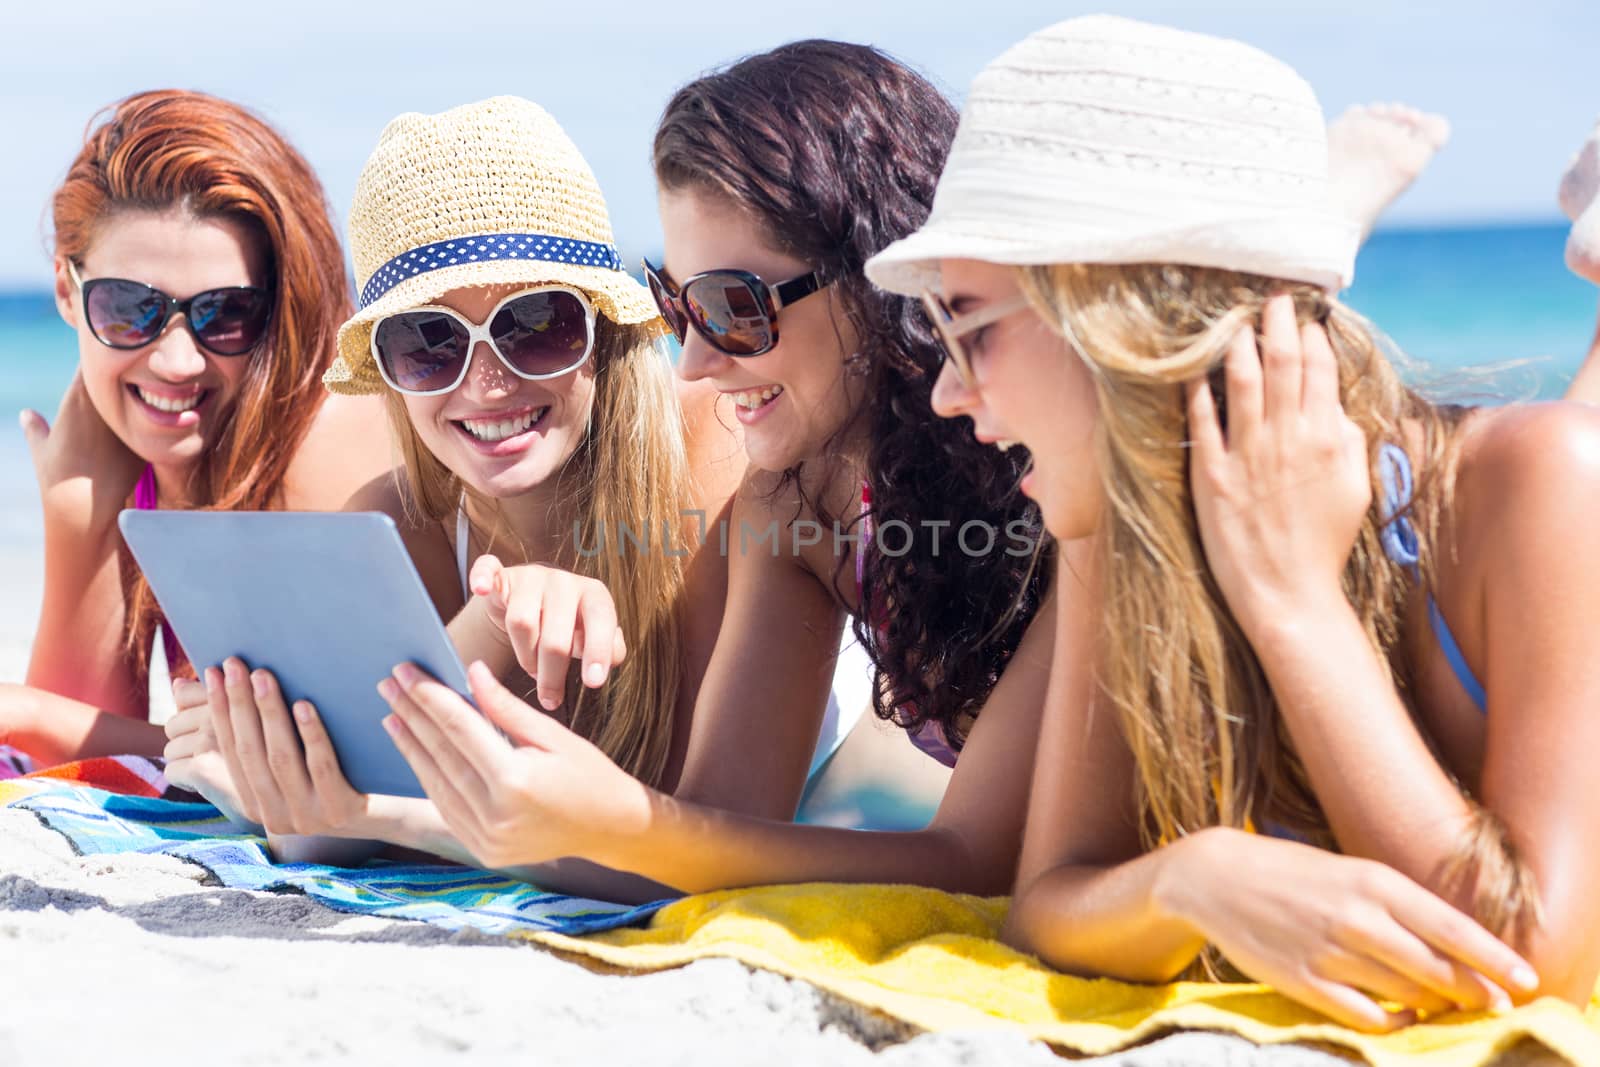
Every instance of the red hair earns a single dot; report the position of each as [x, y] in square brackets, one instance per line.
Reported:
[176, 150]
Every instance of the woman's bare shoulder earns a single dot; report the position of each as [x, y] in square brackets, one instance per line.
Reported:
[425, 539]
[386, 493]
[347, 445]
[1527, 481]
[1527, 451]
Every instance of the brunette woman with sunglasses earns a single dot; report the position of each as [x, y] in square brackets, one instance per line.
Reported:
[196, 261]
[778, 178]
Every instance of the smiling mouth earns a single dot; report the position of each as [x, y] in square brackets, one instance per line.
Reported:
[490, 431]
[170, 405]
[751, 399]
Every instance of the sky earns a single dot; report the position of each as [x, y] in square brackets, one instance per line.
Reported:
[1517, 80]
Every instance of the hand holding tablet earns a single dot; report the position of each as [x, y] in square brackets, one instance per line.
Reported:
[329, 603]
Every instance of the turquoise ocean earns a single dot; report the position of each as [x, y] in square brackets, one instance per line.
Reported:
[1453, 299]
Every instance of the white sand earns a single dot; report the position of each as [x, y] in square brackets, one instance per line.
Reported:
[134, 958]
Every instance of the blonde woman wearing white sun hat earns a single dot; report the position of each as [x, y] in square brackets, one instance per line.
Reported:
[1310, 602]
[535, 416]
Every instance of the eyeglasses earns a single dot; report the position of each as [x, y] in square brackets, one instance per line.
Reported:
[734, 310]
[537, 333]
[952, 328]
[126, 314]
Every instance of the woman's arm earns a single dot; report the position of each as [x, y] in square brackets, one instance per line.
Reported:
[1086, 900]
[557, 795]
[970, 846]
[1530, 490]
[761, 698]
[1075, 905]
[83, 699]
[86, 475]
[1384, 793]
[1522, 598]
[1279, 500]
[1330, 931]
[56, 729]
[286, 776]
[417, 824]
[78, 649]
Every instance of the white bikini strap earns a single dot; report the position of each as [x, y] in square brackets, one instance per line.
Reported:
[463, 531]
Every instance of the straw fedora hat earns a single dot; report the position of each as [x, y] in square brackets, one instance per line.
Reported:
[1105, 140]
[490, 193]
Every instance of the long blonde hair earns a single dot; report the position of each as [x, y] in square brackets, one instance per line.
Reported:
[629, 470]
[1192, 701]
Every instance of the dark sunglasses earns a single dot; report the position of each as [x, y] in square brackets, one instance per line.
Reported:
[538, 333]
[126, 314]
[734, 310]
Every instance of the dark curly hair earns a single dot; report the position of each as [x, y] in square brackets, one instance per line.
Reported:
[836, 149]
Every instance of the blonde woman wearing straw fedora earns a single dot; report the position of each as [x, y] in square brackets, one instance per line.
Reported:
[534, 412]
[1316, 606]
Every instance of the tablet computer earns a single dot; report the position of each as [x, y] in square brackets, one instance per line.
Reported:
[329, 602]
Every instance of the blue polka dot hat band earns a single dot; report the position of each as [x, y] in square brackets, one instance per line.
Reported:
[492, 193]
[482, 249]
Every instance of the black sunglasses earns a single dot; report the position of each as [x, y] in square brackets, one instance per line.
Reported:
[127, 314]
[734, 310]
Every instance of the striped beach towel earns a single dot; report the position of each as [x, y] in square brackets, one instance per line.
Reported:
[133, 775]
[13, 764]
[98, 821]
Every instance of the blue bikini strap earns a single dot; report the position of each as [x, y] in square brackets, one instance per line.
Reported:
[1457, 661]
[1399, 537]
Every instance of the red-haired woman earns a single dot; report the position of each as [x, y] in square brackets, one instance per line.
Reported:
[196, 259]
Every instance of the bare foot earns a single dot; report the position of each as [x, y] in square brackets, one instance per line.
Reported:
[1375, 152]
[1579, 186]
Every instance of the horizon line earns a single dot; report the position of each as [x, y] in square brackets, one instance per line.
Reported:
[11, 288]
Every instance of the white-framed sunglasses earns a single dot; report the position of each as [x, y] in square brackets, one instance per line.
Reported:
[951, 327]
[538, 333]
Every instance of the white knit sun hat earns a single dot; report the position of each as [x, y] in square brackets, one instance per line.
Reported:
[1105, 140]
[489, 193]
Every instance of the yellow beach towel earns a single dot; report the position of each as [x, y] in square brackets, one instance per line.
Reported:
[934, 960]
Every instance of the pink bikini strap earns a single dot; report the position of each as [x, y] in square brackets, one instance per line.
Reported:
[866, 536]
[144, 499]
[144, 493]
